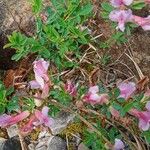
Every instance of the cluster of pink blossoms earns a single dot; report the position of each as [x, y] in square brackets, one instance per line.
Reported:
[127, 90]
[93, 97]
[37, 118]
[41, 78]
[122, 15]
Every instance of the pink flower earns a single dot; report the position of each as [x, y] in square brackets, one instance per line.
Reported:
[122, 17]
[147, 93]
[41, 76]
[38, 118]
[71, 88]
[143, 116]
[40, 70]
[126, 89]
[30, 125]
[93, 97]
[148, 106]
[119, 145]
[43, 117]
[6, 120]
[119, 3]
[114, 112]
[143, 22]
[147, 1]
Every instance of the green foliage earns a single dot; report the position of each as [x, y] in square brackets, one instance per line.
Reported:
[105, 59]
[61, 96]
[53, 110]
[119, 37]
[23, 45]
[138, 5]
[126, 108]
[107, 8]
[146, 135]
[36, 6]
[93, 141]
[13, 104]
[28, 104]
[6, 102]
[3, 101]
[58, 36]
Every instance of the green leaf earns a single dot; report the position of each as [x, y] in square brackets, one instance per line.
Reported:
[116, 92]
[45, 53]
[146, 134]
[105, 15]
[117, 106]
[13, 104]
[138, 5]
[107, 7]
[126, 108]
[2, 95]
[36, 6]
[85, 10]
[7, 45]
[9, 91]
[2, 109]
[16, 57]
[29, 104]
[2, 87]
[121, 100]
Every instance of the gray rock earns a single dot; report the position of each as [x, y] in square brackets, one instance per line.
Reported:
[61, 122]
[31, 146]
[44, 134]
[12, 144]
[56, 143]
[12, 131]
[41, 148]
[82, 147]
[14, 16]
[42, 143]
[2, 142]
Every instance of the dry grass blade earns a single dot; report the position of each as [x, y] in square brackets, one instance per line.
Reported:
[141, 75]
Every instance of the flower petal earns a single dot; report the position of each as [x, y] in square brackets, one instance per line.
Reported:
[143, 22]
[4, 120]
[119, 3]
[122, 17]
[119, 145]
[71, 88]
[144, 125]
[45, 110]
[34, 84]
[126, 89]
[148, 106]
[127, 2]
[40, 66]
[19, 117]
[94, 89]
[40, 80]
[43, 118]
[37, 100]
[45, 91]
[115, 113]
[30, 125]
[116, 3]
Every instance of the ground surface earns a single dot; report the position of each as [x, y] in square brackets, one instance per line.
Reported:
[90, 71]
